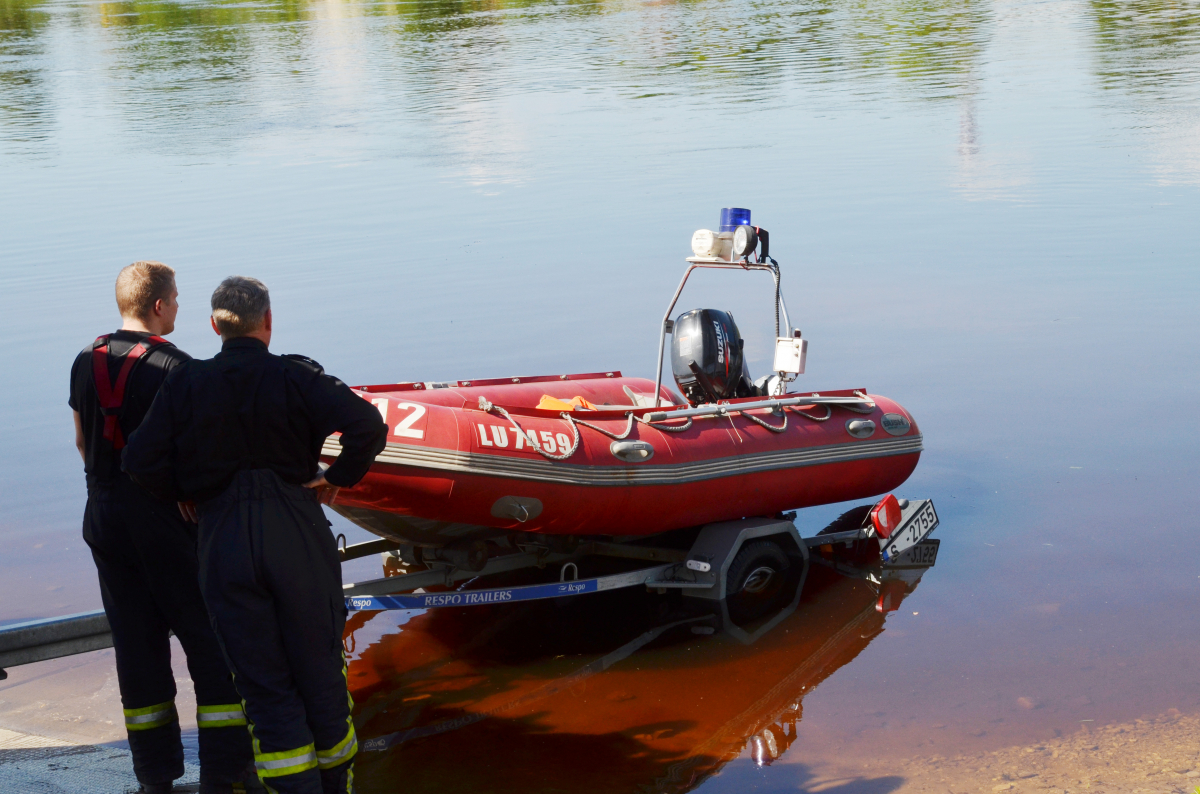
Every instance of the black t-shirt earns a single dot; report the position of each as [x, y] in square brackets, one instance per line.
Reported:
[247, 408]
[102, 463]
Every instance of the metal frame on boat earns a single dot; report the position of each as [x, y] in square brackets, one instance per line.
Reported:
[695, 263]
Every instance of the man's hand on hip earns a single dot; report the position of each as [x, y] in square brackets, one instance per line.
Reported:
[326, 491]
[188, 511]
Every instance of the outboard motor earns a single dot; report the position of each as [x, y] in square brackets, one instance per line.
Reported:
[706, 357]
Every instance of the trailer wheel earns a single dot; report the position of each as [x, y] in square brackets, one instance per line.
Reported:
[755, 580]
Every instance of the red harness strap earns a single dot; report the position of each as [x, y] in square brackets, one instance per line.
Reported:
[111, 397]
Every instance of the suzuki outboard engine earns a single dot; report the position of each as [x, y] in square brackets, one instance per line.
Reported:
[706, 357]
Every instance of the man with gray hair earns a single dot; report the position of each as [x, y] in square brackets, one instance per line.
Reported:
[236, 440]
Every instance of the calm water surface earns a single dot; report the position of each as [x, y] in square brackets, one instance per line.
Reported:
[985, 210]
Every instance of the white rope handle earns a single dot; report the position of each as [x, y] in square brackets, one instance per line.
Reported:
[825, 418]
[761, 423]
[613, 436]
[666, 427]
[856, 409]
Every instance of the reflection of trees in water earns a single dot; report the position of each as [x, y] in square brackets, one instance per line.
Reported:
[440, 17]
[207, 69]
[704, 48]
[935, 45]
[25, 106]
[188, 66]
[1147, 50]
[1146, 45]
[20, 16]
[204, 19]
[178, 68]
[470, 47]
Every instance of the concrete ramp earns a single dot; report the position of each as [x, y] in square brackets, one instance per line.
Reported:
[38, 765]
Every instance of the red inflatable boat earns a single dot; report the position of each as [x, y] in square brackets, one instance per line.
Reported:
[602, 454]
[454, 469]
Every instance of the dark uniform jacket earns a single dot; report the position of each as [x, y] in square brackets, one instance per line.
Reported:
[244, 409]
[102, 463]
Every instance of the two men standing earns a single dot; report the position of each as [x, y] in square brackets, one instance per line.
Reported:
[235, 441]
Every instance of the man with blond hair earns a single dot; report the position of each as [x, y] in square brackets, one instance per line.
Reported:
[237, 440]
[145, 552]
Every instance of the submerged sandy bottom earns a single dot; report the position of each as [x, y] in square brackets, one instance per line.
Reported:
[1159, 755]
[78, 703]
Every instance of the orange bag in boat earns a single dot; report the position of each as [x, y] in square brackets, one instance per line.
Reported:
[549, 403]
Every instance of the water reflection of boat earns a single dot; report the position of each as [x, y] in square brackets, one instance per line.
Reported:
[620, 691]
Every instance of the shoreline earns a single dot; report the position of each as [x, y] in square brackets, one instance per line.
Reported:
[1159, 755]
[68, 705]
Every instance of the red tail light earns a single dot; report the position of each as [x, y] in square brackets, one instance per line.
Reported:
[890, 596]
[886, 516]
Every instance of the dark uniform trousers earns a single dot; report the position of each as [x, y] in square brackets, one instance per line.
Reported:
[272, 581]
[146, 557]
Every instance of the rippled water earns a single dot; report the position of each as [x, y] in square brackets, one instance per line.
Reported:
[985, 210]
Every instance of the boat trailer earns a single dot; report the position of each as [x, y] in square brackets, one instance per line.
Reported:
[701, 571]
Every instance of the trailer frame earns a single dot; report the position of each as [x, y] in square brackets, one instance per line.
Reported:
[700, 572]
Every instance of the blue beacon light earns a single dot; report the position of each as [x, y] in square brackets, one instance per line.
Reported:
[733, 217]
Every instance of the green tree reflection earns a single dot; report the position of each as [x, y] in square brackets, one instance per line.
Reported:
[20, 16]
[214, 69]
[934, 45]
[1146, 45]
[25, 105]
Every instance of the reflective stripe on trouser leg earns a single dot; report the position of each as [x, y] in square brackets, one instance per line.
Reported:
[220, 716]
[341, 752]
[344, 750]
[288, 762]
[144, 719]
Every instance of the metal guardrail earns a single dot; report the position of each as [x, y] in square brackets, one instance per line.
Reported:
[38, 640]
[52, 638]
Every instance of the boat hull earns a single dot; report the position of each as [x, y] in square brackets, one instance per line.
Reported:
[456, 471]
